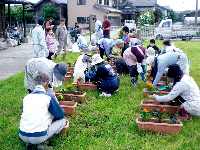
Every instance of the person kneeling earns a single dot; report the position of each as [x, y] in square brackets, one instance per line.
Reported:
[185, 93]
[38, 109]
[106, 78]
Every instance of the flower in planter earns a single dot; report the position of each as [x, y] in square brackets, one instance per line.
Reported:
[144, 115]
[71, 98]
[159, 92]
[75, 61]
[62, 91]
[69, 88]
[80, 79]
[159, 113]
[78, 87]
[151, 78]
[172, 120]
[72, 71]
[150, 88]
[61, 98]
[69, 63]
[168, 89]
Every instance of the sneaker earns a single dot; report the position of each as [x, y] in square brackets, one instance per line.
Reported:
[115, 91]
[29, 146]
[119, 74]
[105, 94]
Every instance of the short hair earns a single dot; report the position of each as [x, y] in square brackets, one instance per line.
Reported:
[166, 42]
[152, 41]
[48, 29]
[126, 29]
[105, 16]
[40, 20]
[93, 18]
[51, 18]
[62, 19]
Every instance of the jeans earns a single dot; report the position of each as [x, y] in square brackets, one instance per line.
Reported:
[133, 71]
[106, 36]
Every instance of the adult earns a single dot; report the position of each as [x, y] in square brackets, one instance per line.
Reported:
[81, 42]
[132, 56]
[78, 28]
[162, 62]
[38, 40]
[119, 62]
[10, 37]
[98, 29]
[168, 47]
[17, 36]
[105, 46]
[82, 64]
[106, 78]
[49, 24]
[61, 37]
[106, 27]
[38, 109]
[36, 66]
[185, 93]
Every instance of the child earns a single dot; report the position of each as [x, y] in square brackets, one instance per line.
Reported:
[126, 37]
[49, 42]
[152, 44]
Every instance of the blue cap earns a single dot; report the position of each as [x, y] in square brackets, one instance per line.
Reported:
[40, 20]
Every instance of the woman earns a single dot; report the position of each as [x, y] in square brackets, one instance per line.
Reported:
[106, 78]
[185, 93]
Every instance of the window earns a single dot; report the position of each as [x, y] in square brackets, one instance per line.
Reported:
[81, 2]
[106, 2]
[100, 1]
[166, 24]
[81, 20]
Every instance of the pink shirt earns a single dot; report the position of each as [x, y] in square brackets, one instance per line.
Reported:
[49, 42]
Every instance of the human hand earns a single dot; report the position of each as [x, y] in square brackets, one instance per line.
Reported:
[152, 96]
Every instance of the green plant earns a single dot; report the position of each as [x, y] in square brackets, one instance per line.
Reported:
[62, 91]
[69, 63]
[80, 79]
[147, 17]
[144, 115]
[120, 35]
[150, 88]
[78, 87]
[69, 88]
[61, 98]
[159, 113]
[172, 120]
[48, 11]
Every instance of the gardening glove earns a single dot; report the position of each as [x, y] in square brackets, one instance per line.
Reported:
[143, 68]
[88, 76]
[111, 56]
[92, 74]
[143, 77]
[108, 58]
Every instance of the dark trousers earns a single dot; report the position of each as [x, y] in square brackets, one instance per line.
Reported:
[121, 66]
[101, 52]
[50, 54]
[133, 70]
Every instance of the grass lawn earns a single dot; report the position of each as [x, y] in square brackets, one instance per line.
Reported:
[101, 123]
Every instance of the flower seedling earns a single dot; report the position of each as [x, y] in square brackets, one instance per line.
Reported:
[69, 63]
[71, 98]
[61, 98]
[62, 91]
[172, 120]
[159, 113]
[75, 61]
[69, 88]
[80, 79]
[144, 115]
[159, 92]
[78, 88]
[150, 88]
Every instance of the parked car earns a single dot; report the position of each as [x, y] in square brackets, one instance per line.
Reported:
[130, 24]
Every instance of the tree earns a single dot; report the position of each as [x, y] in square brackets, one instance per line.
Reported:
[172, 15]
[29, 17]
[158, 15]
[13, 14]
[147, 17]
[48, 11]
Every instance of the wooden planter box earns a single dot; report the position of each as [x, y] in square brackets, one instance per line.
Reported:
[70, 74]
[159, 83]
[147, 92]
[166, 127]
[70, 68]
[68, 106]
[86, 85]
[152, 105]
[63, 131]
[164, 78]
[67, 78]
[79, 97]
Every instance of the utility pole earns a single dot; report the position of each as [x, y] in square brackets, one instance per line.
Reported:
[196, 13]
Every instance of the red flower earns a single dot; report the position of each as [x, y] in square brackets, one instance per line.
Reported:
[71, 97]
[161, 110]
[78, 84]
[111, 60]
[160, 91]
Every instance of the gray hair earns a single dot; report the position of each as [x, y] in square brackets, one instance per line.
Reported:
[41, 83]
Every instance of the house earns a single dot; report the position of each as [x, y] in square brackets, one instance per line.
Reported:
[59, 5]
[80, 10]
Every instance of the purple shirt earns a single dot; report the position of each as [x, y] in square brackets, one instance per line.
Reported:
[106, 25]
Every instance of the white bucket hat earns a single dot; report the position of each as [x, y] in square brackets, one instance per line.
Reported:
[96, 58]
[150, 52]
[149, 62]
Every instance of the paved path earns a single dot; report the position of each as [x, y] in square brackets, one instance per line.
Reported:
[13, 59]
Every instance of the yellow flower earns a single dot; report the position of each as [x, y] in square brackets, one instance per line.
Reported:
[149, 84]
[61, 96]
[144, 110]
[69, 61]
[67, 86]
[151, 78]
[105, 61]
[79, 78]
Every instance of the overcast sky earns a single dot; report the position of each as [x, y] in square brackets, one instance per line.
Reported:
[176, 5]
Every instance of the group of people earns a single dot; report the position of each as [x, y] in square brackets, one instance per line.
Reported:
[14, 38]
[42, 74]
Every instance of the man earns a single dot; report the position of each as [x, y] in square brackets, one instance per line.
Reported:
[61, 37]
[49, 24]
[10, 37]
[78, 28]
[119, 62]
[106, 27]
[38, 39]
[35, 66]
[98, 29]
[17, 36]
[37, 111]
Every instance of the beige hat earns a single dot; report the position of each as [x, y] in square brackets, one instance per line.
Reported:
[96, 58]
[86, 51]
[150, 52]
[149, 62]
